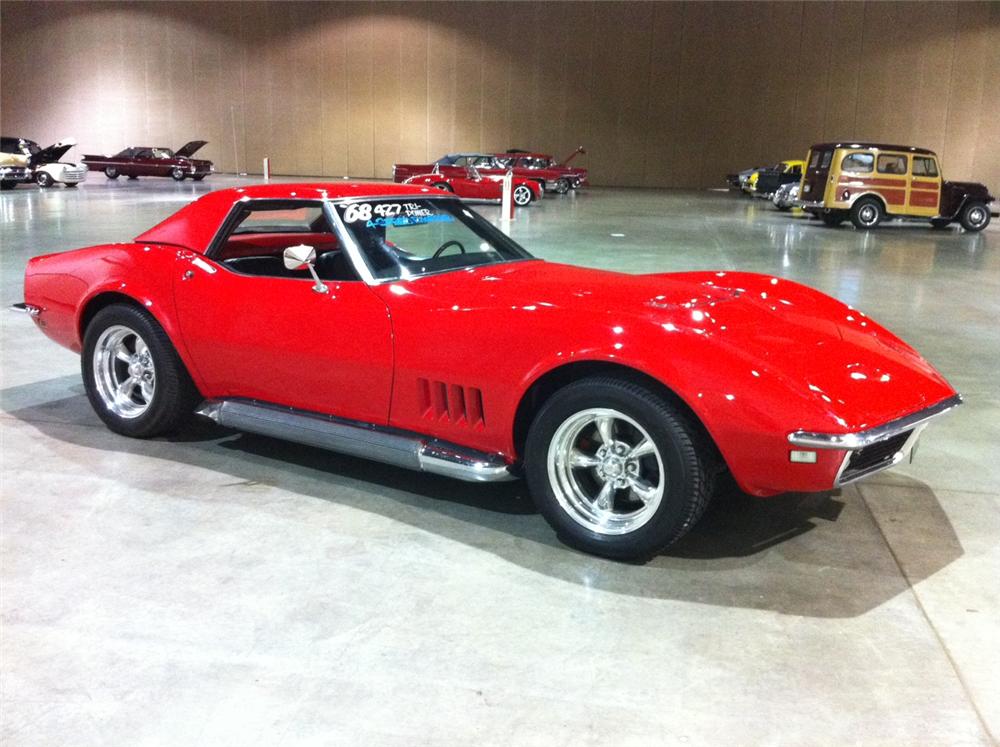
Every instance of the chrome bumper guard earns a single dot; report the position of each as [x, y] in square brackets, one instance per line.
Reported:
[877, 448]
[25, 308]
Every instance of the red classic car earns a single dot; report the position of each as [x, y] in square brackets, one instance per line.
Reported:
[394, 323]
[554, 170]
[144, 161]
[559, 179]
[474, 185]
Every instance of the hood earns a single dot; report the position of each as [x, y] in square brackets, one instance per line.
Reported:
[189, 149]
[814, 346]
[15, 160]
[53, 153]
[973, 189]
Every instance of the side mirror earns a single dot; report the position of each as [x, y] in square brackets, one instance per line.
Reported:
[303, 256]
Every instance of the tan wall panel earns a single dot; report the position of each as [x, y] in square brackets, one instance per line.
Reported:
[661, 94]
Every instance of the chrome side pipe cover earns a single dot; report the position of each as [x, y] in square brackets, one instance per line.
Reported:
[398, 448]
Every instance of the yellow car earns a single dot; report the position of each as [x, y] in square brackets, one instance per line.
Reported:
[764, 182]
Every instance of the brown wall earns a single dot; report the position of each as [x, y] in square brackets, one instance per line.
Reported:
[661, 94]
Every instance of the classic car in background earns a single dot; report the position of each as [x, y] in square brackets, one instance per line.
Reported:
[773, 177]
[620, 397]
[14, 167]
[474, 185]
[559, 175]
[738, 180]
[43, 164]
[558, 178]
[766, 181]
[867, 183]
[146, 161]
[785, 196]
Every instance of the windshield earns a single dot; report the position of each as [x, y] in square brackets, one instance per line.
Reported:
[409, 237]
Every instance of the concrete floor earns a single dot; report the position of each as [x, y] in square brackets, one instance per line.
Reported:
[224, 589]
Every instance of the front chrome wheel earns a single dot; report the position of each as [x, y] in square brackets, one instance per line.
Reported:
[124, 372]
[606, 471]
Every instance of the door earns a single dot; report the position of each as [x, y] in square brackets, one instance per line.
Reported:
[892, 180]
[925, 187]
[255, 330]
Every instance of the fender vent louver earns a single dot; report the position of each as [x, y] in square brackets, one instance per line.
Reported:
[452, 403]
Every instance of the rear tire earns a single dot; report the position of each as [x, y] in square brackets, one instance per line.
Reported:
[177, 175]
[832, 220]
[7, 184]
[975, 216]
[443, 185]
[135, 381]
[616, 469]
[867, 213]
[111, 172]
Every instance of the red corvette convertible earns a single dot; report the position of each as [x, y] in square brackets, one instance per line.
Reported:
[394, 323]
[473, 185]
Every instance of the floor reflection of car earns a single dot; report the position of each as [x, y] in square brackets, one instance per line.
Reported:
[867, 183]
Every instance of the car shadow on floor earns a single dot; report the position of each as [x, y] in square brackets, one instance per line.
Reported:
[819, 555]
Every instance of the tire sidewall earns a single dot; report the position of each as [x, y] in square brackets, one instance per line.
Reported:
[177, 174]
[669, 520]
[163, 359]
[522, 188]
[968, 212]
[44, 179]
[860, 206]
[111, 172]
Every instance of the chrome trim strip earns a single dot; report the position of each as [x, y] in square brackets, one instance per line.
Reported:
[25, 308]
[386, 445]
[861, 439]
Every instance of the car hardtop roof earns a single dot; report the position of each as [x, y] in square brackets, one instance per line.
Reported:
[874, 146]
[524, 154]
[195, 225]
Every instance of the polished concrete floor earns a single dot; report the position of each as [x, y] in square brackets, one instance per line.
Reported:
[224, 589]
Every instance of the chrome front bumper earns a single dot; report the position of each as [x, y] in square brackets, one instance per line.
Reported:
[878, 448]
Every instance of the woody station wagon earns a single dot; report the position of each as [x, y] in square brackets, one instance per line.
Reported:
[867, 183]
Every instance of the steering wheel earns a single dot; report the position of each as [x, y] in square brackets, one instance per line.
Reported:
[445, 245]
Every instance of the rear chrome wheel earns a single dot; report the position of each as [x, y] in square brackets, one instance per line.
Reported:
[111, 172]
[867, 213]
[178, 174]
[522, 195]
[605, 470]
[124, 372]
[134, 378]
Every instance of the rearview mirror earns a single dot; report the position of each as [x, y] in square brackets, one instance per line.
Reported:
[301, 257]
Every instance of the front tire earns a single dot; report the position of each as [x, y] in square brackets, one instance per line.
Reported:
[44, 179]
[975, 216]
[833, 219]
[522, 195]
[443, 185]
[867, 213]
[616, 469]
[199, 177]
[111, 172]
[135, 381]
[940, 223]
[7, 184]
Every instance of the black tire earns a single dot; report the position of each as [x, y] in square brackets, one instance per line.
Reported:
[174, 395]
[867, 213]
[975, 216]
[111, 172]
[784, 208]
[71, 185]
[940, 223]
[832, 220]
[133, 178]
[522, 195]
[44, 179]
[7, 184]
[198, 177]
[561, 186]
[687, 479]
[178, 174]
[443, 185]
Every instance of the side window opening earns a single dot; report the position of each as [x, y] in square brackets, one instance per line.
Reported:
[826, 160]
[892, 164]
[259, 235]
[858, 163]
[924, 166]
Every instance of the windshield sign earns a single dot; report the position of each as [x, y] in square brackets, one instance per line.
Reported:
[403, 238]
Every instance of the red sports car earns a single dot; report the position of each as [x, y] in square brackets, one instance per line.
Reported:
[473, 185]
[394, 323]
[146, 161]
